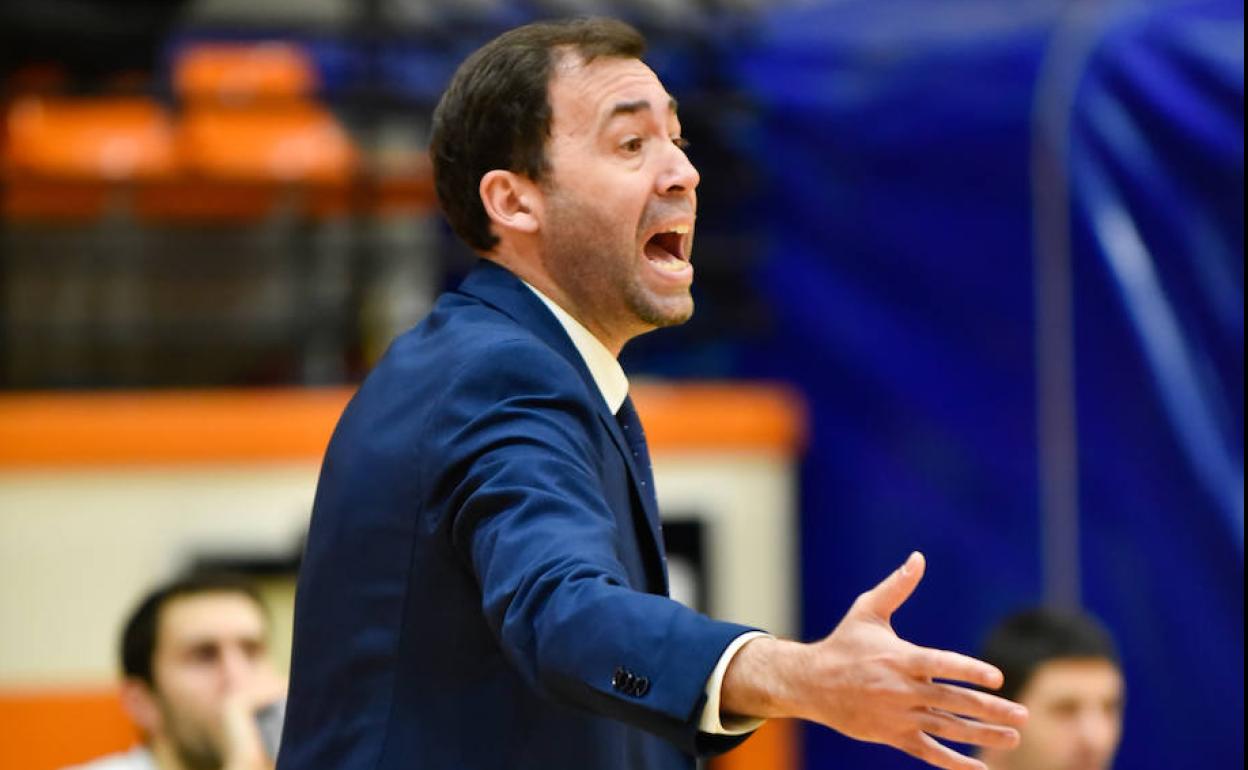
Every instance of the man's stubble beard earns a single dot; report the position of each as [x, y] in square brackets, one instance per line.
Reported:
[584, 258]
[192, 743]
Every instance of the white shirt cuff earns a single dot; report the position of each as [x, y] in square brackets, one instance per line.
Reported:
[711, 721]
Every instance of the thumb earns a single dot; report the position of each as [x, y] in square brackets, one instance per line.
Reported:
[883, 600]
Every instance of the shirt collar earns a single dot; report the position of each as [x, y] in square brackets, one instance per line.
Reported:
[607, 373]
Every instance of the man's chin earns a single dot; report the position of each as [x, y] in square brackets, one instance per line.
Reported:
[663, 315]
[201, 757]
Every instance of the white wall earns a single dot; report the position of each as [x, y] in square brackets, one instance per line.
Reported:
[78, 547]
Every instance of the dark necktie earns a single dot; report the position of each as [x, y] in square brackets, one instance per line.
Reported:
[630, 423]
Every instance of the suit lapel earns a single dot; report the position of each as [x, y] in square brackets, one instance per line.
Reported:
[502, 290]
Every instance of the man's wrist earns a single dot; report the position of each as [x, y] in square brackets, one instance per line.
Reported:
[714, 719]
[760, 679]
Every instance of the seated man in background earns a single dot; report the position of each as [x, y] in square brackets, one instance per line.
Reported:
[1064, 668]
[196, 668]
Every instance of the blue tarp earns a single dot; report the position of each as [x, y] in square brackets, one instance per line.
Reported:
[919, 162]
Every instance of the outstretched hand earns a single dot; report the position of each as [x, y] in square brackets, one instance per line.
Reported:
[866, 682]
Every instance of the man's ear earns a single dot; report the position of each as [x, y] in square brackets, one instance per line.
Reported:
[139, 702]
[511, 201]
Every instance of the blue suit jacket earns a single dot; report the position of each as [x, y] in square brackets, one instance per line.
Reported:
[484, 584]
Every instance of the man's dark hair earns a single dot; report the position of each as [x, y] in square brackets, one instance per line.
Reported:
[139, 636]
[1022, 642]
[496, 112]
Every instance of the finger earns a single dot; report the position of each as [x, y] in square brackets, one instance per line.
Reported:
[973, 703]
[926, 748]
[954, 666]
[954, 728]
[242, 743]
[883, 600]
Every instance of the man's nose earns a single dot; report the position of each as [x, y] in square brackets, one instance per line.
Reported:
[680, 176]
[1098, 731]
[237, 668]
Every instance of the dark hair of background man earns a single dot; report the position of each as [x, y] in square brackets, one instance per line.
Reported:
[1023, 642]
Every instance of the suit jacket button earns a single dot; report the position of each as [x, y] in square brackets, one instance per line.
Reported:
[642, 686]
[618, 679]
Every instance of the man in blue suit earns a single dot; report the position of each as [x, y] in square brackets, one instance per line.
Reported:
[484, 584]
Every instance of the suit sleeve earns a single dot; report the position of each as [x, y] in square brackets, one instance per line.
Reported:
[519, 472]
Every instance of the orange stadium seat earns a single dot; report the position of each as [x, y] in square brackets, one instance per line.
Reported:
[290, 142]
[110, 139]
[237, 163]
[62, 156]
[232, 72]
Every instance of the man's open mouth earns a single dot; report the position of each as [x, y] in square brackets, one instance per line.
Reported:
[667, 249]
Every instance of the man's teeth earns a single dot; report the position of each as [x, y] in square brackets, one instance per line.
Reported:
[679, 229]
[672, 265]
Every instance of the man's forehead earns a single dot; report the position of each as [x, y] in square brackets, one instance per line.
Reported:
[209, 615]
[586, 94]
[1074, 675]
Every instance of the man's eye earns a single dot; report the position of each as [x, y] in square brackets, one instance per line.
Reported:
[253, 650]
[1064, 709]
[632, 145]
[681, 142]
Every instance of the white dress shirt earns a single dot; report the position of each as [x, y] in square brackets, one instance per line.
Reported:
[613, 385]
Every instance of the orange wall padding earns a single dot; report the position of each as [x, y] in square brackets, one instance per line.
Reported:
[178, 427]
[49, 729]
[773, 747]
[166, 427]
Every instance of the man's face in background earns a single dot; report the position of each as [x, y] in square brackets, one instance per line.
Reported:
[209, 646]
[1076, 716]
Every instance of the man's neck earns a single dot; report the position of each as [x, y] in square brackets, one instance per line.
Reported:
[165, 754]
[525, 270]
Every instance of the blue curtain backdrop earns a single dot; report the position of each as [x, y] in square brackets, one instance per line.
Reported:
[898, 146]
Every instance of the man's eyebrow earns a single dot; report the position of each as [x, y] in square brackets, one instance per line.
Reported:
[633, 107]
[199, 641]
